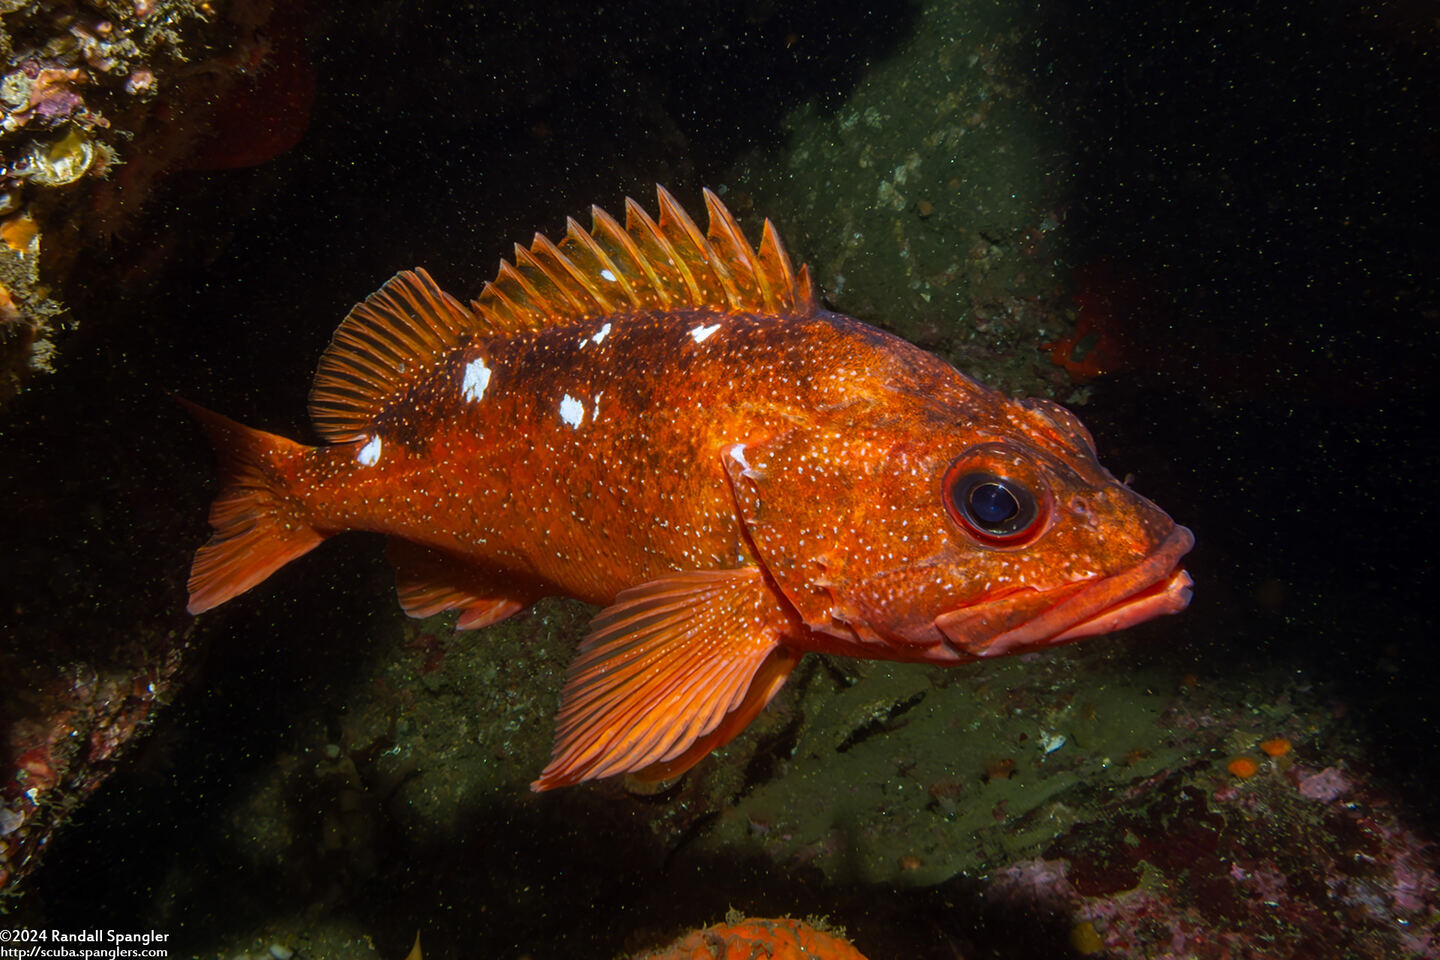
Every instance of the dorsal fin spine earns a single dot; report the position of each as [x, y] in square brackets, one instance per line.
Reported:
[509, 315]
[606, 228]
[639, 225]
[772, 254]
[694, 268]
[532, 296]
[527, 261]
[806, 305]
[721, 223]
[618, 252]
[623, 241]
[728, 286]
[501, 312]
[722, 268]
[576, 234]
[724, 231]
[577, 275]
[557, 268]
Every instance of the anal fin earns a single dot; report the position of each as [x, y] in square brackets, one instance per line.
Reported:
[671, 670]
[429, 581]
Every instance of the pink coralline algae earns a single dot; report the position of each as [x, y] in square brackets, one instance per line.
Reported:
[1327, 785]
[1414, 886]
[1039, 883]
[52, 93]
[1312, 864]
[68, 730]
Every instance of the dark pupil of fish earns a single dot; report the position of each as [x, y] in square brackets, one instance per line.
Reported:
[992, 505]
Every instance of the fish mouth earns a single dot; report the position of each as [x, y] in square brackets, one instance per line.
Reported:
[1028, 619]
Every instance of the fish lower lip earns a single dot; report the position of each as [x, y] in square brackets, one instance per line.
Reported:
[1155, 586]
[1170, 595]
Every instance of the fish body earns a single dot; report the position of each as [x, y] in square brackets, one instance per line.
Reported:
[665, 424]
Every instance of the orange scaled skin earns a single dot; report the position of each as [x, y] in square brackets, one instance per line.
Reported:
[847, 432]
[738, 488]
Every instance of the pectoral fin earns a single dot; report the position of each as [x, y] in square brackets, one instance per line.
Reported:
[671, 670]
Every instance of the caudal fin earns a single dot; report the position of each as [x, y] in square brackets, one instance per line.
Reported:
[255, 527]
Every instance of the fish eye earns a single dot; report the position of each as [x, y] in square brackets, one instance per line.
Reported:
[995, 509]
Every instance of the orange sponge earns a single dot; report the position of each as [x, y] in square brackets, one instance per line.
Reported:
[780, 939]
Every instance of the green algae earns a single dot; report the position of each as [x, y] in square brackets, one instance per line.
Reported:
[929, 201]
[931, 773]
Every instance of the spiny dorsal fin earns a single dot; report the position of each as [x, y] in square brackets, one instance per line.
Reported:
[392, 338]
[398, 333]
[644, 265]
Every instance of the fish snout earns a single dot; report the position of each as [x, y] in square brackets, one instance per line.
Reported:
[1029, 619]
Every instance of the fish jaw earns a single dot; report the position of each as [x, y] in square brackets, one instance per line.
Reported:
[1031, 619]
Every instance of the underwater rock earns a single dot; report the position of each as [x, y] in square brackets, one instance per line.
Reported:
[64, 725]
[917, 217]
[96, 107]
[1179, 866]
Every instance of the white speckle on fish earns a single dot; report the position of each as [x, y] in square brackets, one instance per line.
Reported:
[702, 332]
[572, 411]
[369, 454]
[737, 453]
[477, 378]
[611, 277]
[602, 333]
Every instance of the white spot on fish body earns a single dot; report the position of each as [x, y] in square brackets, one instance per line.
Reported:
[369, 454]
[602, 333]
[477, 378]
[737, 453]
[572, 411]
[611, 277]
[702, 332]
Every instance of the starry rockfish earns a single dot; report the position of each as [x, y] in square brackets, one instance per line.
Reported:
[665, 423]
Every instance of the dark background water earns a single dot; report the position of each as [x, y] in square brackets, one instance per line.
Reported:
[1272, 167]
[1276, 167]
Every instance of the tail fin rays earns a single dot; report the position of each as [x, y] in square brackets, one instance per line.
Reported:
[255, 527]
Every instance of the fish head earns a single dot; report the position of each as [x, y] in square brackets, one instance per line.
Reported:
[932, 537]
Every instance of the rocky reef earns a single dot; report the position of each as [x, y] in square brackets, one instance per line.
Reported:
[98, 102]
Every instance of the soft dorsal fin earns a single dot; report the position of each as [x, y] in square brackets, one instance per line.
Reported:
[390, 339]
[397, 334]
[645, 265]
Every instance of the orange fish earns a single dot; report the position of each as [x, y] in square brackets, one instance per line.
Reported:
[665, 423]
